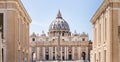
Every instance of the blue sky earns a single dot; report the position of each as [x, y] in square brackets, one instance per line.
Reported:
[76, 12]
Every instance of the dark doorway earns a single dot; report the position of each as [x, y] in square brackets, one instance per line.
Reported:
[32, 56]
[62, 34]
[53, 57]
[70, 57]
[83, 55]
[1, 24]
[47, 57]
[2, 55]
[63, 58]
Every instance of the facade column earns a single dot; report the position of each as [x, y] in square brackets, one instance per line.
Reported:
[73, 51]
[43, 53]
[119, 46]
[4, 50]
[51, 53]
[38, 53]
[86, 53]
[78, 53]
[55, 53]
[61, 53]
[65, 53]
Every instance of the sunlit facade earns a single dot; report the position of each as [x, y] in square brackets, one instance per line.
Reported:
[60, 43]
[105, 31]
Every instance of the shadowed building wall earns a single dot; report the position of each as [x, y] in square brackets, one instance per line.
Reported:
[0, 48]
[14, 21]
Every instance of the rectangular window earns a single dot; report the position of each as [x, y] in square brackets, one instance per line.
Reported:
[54, 49]
[83, 39]
[1, 24]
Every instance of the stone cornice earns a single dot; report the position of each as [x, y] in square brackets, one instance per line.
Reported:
[99, 11]
[20, 8]
[60, 46]
[102, 8]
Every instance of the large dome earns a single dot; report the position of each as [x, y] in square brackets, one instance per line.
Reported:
[59, 24]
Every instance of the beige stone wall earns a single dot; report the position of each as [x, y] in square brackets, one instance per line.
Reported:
[105, 33]
[16, 31]
[76, 43]
[77, 49]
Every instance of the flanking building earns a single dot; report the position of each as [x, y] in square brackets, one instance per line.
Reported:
[14, 23]
[60, 43]
[106, 32]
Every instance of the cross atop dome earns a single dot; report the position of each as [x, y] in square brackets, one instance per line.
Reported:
[59, 25]
[59, 14]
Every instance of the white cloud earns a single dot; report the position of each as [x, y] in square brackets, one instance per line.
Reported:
[36, 23]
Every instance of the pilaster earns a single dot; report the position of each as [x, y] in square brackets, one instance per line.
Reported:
[0, 48]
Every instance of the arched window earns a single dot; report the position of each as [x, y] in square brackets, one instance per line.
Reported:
[62, 34]
[53, 57]
[53, 39]
[47, 57]
[33, 39]
[2, 23]
[62, 39]
[33, 56]
[70, 53]
[63, 58]
[70, 56]
[83, 39]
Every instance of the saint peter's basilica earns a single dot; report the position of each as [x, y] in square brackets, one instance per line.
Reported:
[60, 43]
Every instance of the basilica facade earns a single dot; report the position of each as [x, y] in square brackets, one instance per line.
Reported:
[60, 43]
